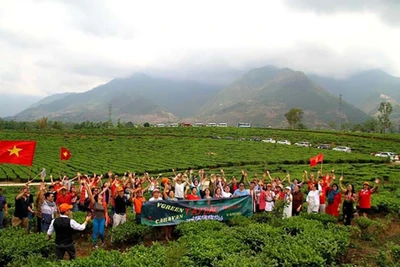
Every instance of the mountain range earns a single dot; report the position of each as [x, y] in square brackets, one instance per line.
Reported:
[261, 96]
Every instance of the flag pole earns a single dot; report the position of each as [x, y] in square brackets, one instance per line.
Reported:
[59, 172]
[322, 162]
[29, 175]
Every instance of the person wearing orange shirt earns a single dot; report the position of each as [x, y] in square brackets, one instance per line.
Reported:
[137, 200]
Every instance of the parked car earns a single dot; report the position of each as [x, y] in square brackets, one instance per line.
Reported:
[269, 140]
[342, 148]
[284, 142]
[391, 155]
[255, 138]
[324, 146]
[303, 144]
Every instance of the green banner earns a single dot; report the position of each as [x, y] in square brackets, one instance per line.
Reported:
[162, 213]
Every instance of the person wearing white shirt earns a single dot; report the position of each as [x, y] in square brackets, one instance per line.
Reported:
[179, 187]
[226, 191]
[63, 226]
[313, 199]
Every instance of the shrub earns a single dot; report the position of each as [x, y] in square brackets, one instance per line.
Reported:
[15, 244]
[368, 228]
[132, 233]
[324, 218]
[198, 228]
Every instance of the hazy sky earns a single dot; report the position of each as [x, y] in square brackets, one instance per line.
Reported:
[49, 46]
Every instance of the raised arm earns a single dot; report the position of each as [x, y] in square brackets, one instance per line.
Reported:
[89, 193]
[341, 185]
[269, 175]
[375, 185]
[287, 177]
[186, 190]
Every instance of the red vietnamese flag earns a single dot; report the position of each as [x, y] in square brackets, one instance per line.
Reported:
[17, 152]
[65, 154]
[314, 160]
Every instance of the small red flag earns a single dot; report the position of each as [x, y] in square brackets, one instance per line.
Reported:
[314, 160]
[17, 152]
[65, 154]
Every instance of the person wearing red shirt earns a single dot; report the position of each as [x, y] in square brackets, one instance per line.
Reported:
[322, 196]
[57, 185]
[334, 200]
[310, 182]
[193, 195]
[279, 194]
[364, 197]
[64, 197]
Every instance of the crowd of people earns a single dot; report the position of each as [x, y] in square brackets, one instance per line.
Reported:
[107, 203]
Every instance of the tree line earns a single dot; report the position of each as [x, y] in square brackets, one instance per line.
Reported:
[381, 123]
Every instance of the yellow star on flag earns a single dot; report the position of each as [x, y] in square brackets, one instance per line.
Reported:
[14, 151]
[65, 154]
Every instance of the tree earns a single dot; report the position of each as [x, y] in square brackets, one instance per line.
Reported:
[146, 124]
[58, 125]
[385, 109]
[42, 123]
[332, 125]
[371, 125]
[294, 117]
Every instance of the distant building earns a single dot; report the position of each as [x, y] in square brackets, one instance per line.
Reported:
[222, 124]
[174, 125]
[212, 124]
[160, 125]
[198, 124]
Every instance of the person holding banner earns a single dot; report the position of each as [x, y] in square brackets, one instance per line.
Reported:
[137, 200]
[193, 195]
[226, 193]
[218, 192]
[207, 193]
[156, 194]
[179, 186]
[241, 191]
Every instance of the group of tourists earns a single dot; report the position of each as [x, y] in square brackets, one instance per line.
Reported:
[53, 205]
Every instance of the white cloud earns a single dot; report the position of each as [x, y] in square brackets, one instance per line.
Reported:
[57, 46]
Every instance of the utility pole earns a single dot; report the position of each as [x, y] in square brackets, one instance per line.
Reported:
[340, 112]
[109, 116]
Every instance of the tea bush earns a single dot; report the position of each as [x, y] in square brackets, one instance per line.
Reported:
[15, 244]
